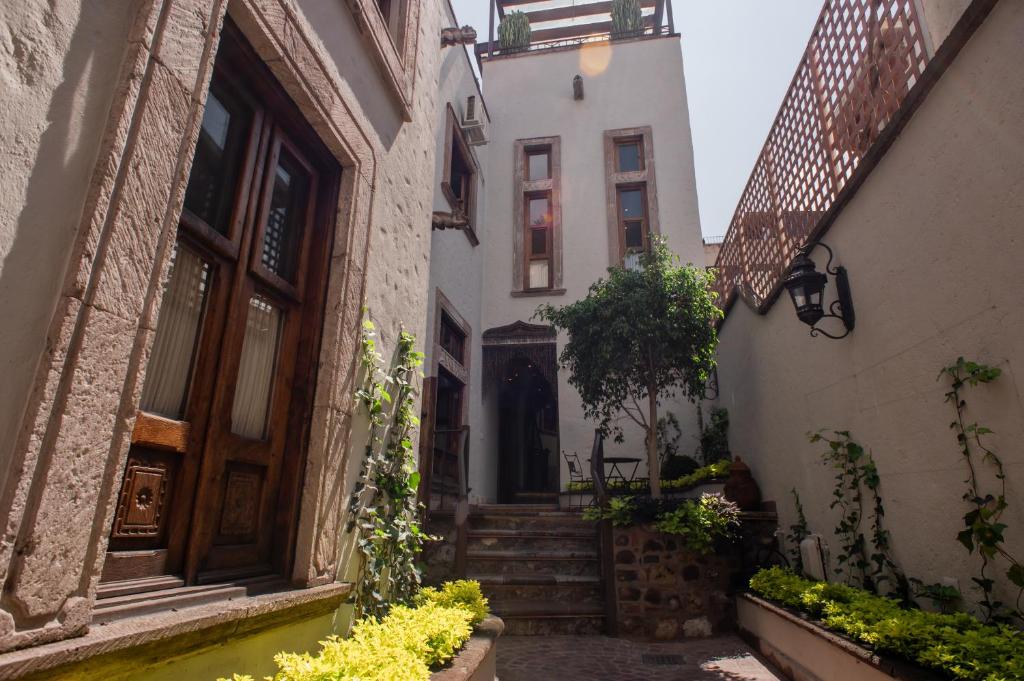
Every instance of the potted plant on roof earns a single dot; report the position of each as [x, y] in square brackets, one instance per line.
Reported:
[514, 32]
[627, 18]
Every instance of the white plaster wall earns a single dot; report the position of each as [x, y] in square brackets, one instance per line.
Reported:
[933, 245]
[531, 96]
[59, 64]
[456, 266]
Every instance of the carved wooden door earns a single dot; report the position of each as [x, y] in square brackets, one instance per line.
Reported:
[212, 476]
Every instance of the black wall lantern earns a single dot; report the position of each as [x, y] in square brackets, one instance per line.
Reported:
[806, 287]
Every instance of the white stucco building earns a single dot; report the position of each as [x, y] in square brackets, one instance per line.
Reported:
[588, 152]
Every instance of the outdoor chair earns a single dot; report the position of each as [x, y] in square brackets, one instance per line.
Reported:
[576, 476]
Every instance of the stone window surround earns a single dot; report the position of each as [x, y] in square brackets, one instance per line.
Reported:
[395, 55]
[453, 135]
[441, 358]
[89, 380]
[523, 187]
[613, 179]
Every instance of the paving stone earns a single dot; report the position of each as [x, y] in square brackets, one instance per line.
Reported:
[600, 658]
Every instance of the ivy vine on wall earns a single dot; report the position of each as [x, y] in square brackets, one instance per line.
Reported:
[383, 509]
[983, 530]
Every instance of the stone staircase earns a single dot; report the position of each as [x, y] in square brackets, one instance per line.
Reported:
[539, 567]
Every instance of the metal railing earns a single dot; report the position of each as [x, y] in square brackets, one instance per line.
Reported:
[486, 50]
[863, 58]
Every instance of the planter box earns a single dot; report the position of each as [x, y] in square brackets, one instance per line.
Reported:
[805, 651]
[477, 659]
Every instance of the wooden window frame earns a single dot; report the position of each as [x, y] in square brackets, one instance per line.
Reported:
[524, 188]
[394, 50]
[637, 140]
[455, 140]
[529, 257]
[440, 357]
[614, 179]
[644, 219]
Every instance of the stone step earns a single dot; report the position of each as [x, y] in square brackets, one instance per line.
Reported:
[583, 562]
[543, 521]
[536, 618]
[504, 589]
[555, 538]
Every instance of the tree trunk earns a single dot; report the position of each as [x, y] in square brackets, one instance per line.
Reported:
[653, 469]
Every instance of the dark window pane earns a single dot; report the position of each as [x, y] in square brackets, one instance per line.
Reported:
[631, 203]
[629, 157]
[286, 217]
[211, 186]
[634, 235]
[540, 211]
[538, 166]
[538, 241]
[461, 175]
[452, 338]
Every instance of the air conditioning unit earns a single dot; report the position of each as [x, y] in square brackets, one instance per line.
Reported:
[473, 122]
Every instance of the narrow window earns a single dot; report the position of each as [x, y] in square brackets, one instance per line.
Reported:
[632, 193]
[629, 154]
[453, 339]
[633, 231]
[460, 175]
[538, 241]
[537, 247]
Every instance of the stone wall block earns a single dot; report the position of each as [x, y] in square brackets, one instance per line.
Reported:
[180, 45]
[61, 519]
[143, 213]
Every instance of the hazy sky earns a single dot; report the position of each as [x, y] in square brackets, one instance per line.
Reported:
[739, 57]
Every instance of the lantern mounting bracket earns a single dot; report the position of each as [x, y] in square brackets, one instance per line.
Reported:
[842, 307]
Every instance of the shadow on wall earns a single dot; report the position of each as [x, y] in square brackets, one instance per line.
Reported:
[48, 225]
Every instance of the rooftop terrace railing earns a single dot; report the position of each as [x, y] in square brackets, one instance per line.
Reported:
[862, 60]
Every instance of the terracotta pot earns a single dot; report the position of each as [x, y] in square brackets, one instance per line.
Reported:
[741, 487]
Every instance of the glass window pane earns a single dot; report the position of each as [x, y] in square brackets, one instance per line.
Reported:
[219, 151]
[286, 218]
[631, 203]
[177, 333]
[538, 166]
[256, 369]
[538, 274]
[634, 235]
[632, 261]
[540, 211]
[538, 241]
[629, 157]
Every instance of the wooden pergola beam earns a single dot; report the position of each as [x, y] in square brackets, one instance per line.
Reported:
[577, 11]
[578, 30]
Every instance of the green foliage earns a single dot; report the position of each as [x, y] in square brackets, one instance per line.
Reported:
[984, 530]
[402, 646]
[856, 482]
[669, 435]
[717, 470]
[956, 645]
[714, 440]
[678, 467]
[514, 31]
[797, 533]
[383, 509]
[464, 593]
[627, 17]
[639, 335]
[701, 522]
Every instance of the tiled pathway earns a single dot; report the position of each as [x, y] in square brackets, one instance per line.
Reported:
[599, 658]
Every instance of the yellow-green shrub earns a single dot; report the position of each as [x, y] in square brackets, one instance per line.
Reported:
[402, 646]
[956, 644]
[463, 593]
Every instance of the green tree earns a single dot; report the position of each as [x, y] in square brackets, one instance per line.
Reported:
[640, 335]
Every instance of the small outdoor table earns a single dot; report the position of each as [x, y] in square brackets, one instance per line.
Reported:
[615, 473]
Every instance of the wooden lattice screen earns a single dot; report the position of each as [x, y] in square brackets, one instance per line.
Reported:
[861, 61]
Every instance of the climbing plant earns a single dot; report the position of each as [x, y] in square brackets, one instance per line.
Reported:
[383, 510]
[798, 531]
[857, 478]
[983, 530]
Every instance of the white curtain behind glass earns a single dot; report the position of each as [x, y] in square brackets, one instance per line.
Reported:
[170, 363]
[256, 369]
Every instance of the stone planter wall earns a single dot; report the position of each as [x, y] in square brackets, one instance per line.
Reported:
[478, 659]
[805, 651]
[665, 591]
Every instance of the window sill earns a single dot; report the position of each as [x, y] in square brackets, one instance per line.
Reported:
[175, 632]
[538, 293]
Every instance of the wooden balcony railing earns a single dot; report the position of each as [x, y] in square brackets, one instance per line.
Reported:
[861, 61]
